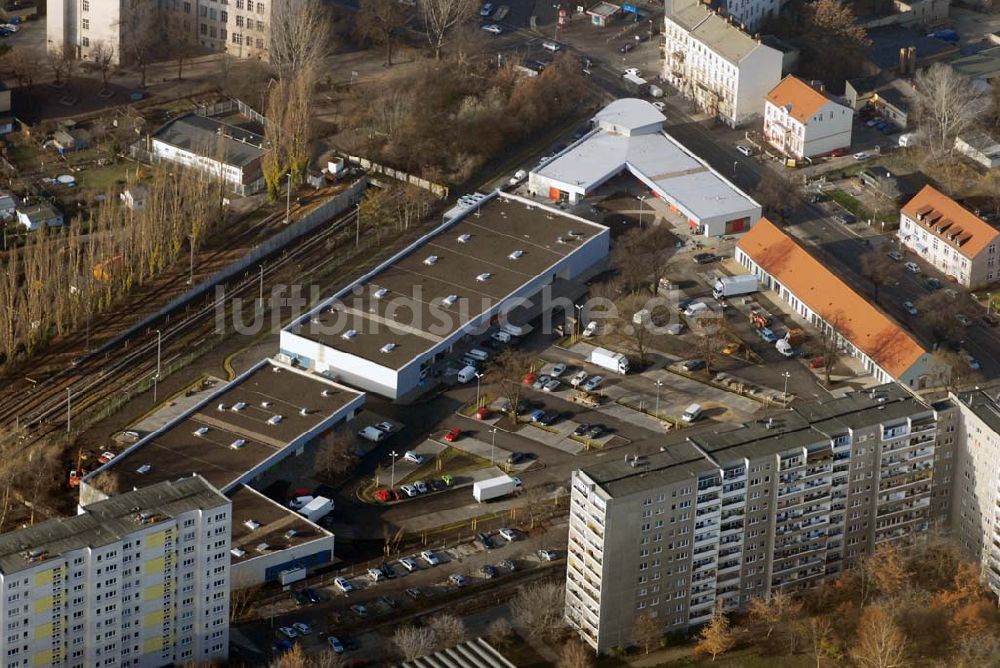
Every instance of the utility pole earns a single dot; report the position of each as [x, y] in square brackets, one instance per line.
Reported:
[69, 407]
[493, 443]
[357, 226]
[191, 269]
[392, 479]
[288, 200]
[159, 341]
[260, 288]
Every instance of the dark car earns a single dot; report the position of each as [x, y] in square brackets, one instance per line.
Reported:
[516, 458]
[626, 47]
[932, 284]
[705, 258]
[596, 431]
[489, 571]
[485, 540]
[300, 598]
[846, 218]
[694, 365]
[581, 429]
[314, 596]
[547, 418]
[435, 484]
[684, 303]
[389, 601]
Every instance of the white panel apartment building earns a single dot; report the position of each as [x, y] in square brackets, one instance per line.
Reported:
[801, 121]
[955, 240]
[752, 14]
[739, 512]
[140, 579]
[710, 60]
[241, 28]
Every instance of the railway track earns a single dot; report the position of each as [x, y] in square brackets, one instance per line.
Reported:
[52, 404]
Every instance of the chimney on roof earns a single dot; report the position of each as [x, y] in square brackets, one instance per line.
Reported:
[911, 60]
[904, 56]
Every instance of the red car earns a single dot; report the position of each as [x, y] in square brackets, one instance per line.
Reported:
[483, 413]
[383, 495]
[836, 153]
[529, 378]
[816, 363]
[453, 434]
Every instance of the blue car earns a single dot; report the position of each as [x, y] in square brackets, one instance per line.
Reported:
[536, 415]
[487, 9]
[282, 646]
[767, 334]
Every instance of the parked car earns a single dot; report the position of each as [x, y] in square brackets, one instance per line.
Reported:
[359, 610]
[408, 563]
[486, 9]
[288, 632]
[409, 490]
[516, 458]
[335, 644]
[414, 457]
[558, 370]
[389, 602]
[431, 558]
[816, 362]
[895, 255]
[626, 47]
[863, 155]
[508, 534]
[846, 218]
[413, 593]
[540, 381]
[344, 585]
[593, 383]
[547, 418]
[705, 258]
[420, 486]
[547, 555]
[457, 579]
[745, 150]
[493, 28]
[578, 378]
[912, 267]
[508, 564]
[910, 308]
[581, 429]
[314, 595]
[302, 628]
[484, 540]
[106, 457]
[596, 431]
[483, 413]
[453, 434]
[971, 361]
[963, 319]
[489, 571]
[300, 598]
[529, 378]
[694, 365]
[660, 106]
[551, 386]
[932, 284]
[383, 495]
[385, 426]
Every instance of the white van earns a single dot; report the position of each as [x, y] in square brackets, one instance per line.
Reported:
[692, 413]
[467, 374]
[695, 308]
[551, 46]
[500, 336]
[641, 317]
[513, 330]
[478, 355]
[371, 433]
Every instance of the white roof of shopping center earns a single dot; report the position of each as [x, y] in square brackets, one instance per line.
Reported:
[653, 157]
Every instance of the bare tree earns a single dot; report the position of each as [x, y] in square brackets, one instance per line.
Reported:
[879, 642]
[538, 609]
[947, 104]
[21, 66]
[717, 637]
[102, 54]
[413, 642]
[575, 654]
[837, 43]
[448, 630]
[440, 17]
[57, 62]
[776, 193]
[884, 571]
[646, 632]
[335, 454]
[941, 311]
[773, 612]
[380, 22]
[506, 371]
[817, 632]
[241, 602]
[829, 340]
[142, 49]
[499, 632]
[179, 40]
[293, 658]
[879, 269]
[300, 36]
[639, 335]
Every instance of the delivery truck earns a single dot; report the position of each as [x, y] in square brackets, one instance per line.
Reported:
[317, 509]
[608, 360]
[493, 488]
[735, 286]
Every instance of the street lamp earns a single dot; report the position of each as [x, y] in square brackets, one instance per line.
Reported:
[288, 199]
[479, 377]
[69, 405]
[736, 164]
[493, 443]
[392, 478]
[642, 201]
[784, 394]
[260, 286]
[357, 226]
[191, 264]
[579, 317]
[659, 384]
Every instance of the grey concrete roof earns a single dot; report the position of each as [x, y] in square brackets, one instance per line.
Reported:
[654, 157]
[413, 315]
[712, 30]
[630, 112]
[106, 522]
[279, 527]
[677, 461]
[985, 406]
[206, 136]
[476, 653]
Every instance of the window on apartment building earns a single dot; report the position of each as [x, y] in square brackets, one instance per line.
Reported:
[239, 4]
[237, 38]
[85, 24]
[187, 7]
[86, 5]
[203, 11]
[260, 7]
[239, 21]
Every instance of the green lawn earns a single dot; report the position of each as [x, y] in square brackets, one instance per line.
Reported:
[451, 460]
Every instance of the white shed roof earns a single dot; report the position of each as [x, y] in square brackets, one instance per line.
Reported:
[629, 113]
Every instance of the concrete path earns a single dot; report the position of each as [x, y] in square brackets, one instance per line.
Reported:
[173, 407]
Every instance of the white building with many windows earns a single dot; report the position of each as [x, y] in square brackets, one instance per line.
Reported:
[736, 512]
[953, 239]
[140, 579]
[710, 60]
[801, 121]
[752, 14]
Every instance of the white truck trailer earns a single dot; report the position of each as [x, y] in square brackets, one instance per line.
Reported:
[317, 509]
[606, 359]
[493, 488]
[735, 286]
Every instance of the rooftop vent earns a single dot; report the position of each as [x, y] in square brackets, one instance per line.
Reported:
[303, 411]
[239, 405]
[431, 259]
[326, 393]
[315, 320]
[237, 552]
[145, 468]
[381, 292]
[290, 534]
[516, 255]
[388, 348]
[276, 369]
[449, 300]
[253, 525]
[464, 238]
[485, 276]
[223, 407]
[238, 443]
[275, 419]
[349, 334]
[263, 547]
[201, 431]
[265, 404]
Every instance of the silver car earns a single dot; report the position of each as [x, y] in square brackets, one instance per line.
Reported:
[593, 383]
